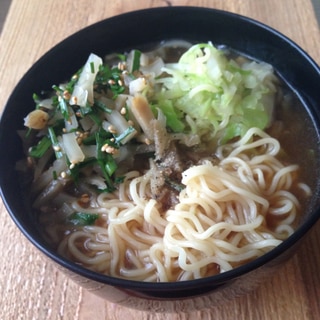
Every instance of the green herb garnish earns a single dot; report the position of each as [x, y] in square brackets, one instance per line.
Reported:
[82, 218]
[136, 61]
[41, 148]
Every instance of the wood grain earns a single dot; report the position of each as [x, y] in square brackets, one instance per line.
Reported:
[30, 287]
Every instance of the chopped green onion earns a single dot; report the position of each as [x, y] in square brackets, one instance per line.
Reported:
[90, 140]
[105, 162]
[124, 134]
[116, 89]
[82, 218]
[102, 106]
[95, 117]
[74, 79]
[107, 178]
[58, 126]
[55, 143]
[41, 148]
[102, 78]
[92, 67]
[136, 60]
[29, 130]
[111, 165]
[62, 103]
[122, 57]
[35, 98]
[85, 110]
[119, 179]
[57, 88]
[64, 109]
[55, 101]
[75, 171]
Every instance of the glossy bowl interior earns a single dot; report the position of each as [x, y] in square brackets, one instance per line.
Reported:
[144, 29]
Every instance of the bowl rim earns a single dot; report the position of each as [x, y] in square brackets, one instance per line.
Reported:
[150, 286]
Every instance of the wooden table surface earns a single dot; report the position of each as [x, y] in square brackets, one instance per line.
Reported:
[32, 288]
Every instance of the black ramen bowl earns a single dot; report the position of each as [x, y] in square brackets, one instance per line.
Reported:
[144, 29]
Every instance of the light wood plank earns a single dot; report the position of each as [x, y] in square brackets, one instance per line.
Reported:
[30, 286]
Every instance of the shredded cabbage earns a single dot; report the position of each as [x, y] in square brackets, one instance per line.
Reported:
[223, 97]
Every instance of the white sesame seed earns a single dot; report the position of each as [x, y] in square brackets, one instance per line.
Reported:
[63, 174]
[104, 147]
[110, 149]
[112, 129]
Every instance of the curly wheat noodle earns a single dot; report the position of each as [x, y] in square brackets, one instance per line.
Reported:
[222, 219]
